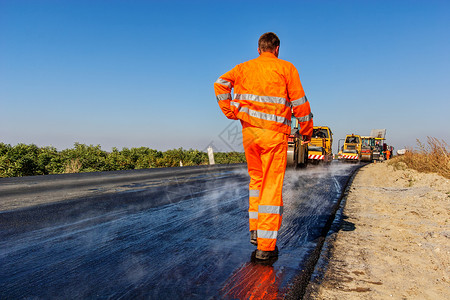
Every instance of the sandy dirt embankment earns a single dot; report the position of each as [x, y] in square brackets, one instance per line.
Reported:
[395, 238]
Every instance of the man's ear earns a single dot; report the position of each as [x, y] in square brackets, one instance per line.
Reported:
[259, 51]
[277, 51]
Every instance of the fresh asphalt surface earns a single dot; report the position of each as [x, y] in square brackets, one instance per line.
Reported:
[178, 233]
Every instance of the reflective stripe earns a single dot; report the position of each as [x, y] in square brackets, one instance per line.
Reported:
[253, 215]
[223, 97]
[300, 101]
[270, 209]
[223, 82]
[265, 234]
[305, 118]
[264, 99]
[253, 193]
[261, 115]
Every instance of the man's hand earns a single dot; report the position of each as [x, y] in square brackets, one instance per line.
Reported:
[306, 139]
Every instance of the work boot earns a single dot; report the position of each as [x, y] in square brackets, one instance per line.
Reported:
[254, 237]
[265, 255]
[268, 262]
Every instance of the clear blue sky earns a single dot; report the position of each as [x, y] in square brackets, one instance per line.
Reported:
[140, 73]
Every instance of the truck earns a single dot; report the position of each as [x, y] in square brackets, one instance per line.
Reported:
[297, 153]
[320, 148]
[367, 147]
[351, 150]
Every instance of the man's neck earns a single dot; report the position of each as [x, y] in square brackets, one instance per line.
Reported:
[269, 53]
[275, 52]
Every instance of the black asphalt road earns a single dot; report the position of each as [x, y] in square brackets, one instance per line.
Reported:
[177, 233]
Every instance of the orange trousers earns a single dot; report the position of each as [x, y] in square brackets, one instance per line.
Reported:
[266, 154]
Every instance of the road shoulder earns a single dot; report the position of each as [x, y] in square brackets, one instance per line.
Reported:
[395, 240]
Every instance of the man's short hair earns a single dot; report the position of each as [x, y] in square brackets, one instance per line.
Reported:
[268, 42]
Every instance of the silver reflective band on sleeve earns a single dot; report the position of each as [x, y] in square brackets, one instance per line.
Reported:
[261, 115]
[265, 234]
[306, 118]
[223, 82]
[253, 193]
[253, 215]
[270, 209]
[300, 101]
[263, 99]
[223, 97]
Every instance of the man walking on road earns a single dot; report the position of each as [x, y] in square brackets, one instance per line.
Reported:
[266, 92]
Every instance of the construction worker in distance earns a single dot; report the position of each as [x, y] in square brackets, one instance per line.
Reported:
[266, 92]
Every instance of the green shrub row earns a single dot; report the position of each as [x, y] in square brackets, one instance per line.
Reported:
[28, 160]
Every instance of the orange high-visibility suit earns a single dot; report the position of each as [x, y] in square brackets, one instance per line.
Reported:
[266, 91]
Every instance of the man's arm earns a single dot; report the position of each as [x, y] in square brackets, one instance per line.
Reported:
[222, 88]
[300, 104]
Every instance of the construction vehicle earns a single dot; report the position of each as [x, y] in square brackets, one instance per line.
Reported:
[378, 149]
[297, 153]
[367, 146]
[319, 150]
[351, 150]
[379, 137]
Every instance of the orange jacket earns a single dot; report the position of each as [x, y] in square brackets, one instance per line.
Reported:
[265, 90]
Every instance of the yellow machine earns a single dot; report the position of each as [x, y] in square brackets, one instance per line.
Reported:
[320, 149]
[367, 146]
[351, 151]
[378, 153]
[378, 149]
[297, 154]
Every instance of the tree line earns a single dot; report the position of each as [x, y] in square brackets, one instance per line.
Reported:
[29, 160]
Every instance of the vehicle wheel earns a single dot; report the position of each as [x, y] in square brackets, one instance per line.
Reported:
[303, 164]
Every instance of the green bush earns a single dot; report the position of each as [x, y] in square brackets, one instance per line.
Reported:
[27, 160]
[229, 157]
[20, 160]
